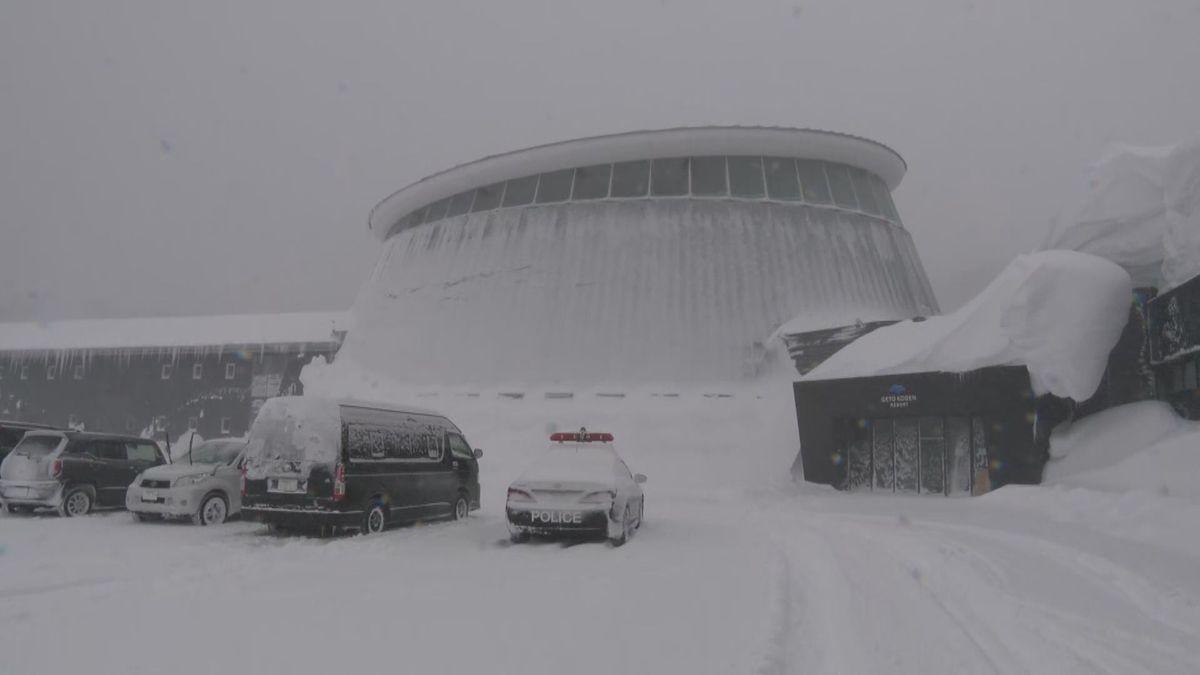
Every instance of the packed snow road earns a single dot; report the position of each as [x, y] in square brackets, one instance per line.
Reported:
[783, 581]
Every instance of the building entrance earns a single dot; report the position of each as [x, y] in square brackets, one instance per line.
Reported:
[916, 455]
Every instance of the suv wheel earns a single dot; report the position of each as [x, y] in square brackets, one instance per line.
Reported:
[77, 502]
[462, 508]
[213, 511]
[375, 519]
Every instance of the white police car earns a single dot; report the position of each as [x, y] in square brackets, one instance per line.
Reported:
[580, 487]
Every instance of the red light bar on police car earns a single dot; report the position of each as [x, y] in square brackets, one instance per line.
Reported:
[582, 436]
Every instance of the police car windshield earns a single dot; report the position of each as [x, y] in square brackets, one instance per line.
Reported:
[580, 462]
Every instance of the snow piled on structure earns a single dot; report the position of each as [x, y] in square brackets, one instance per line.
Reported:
[1140, 208]
[1057, 312]
[1140, 447]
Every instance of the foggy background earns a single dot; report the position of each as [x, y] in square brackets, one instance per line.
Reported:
[191, 158]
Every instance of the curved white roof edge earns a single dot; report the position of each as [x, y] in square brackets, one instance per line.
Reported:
[830, 146]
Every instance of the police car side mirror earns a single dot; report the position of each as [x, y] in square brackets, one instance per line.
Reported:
[478, 453]
[639, 478]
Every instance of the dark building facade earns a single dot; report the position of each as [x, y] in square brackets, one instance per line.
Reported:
[1175, 346]
[921, 433]
[214, 389]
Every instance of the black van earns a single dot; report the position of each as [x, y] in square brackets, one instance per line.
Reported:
[321, 464]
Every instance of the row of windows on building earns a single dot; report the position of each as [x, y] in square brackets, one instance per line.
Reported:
[736, 177]
[79, 372]
[159, 424]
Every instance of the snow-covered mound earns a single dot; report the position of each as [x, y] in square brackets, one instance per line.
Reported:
[1140, 208]
[1140, 447]
[1057, 312]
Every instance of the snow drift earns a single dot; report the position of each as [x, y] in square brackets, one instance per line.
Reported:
[1140, 208]
[1141, 447]
[1057, 312]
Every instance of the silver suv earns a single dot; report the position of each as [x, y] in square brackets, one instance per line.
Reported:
[203, 484]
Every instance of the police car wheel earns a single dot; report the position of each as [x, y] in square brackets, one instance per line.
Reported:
[625, 533]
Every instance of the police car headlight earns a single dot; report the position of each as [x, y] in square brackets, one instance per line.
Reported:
[601, 497]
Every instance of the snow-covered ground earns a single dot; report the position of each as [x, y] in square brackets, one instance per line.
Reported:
[736, 571]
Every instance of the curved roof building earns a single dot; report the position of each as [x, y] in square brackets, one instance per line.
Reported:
[649, 257]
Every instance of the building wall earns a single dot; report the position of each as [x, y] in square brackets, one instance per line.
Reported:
[610, 291]
[214, 390]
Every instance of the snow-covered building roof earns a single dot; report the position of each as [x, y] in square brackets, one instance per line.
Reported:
[174, 331]
[1140, 208]
[1059, 313]
[863, 153]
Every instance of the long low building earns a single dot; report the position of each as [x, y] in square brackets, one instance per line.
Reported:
[159, 375]
[667, 256]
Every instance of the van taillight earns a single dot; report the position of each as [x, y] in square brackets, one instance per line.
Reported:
[243, 480]
[339, 483]
[56, 468]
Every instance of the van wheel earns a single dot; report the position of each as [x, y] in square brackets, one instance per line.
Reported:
[213, 511]
[375, 520]
[462, 508]
[77, 502]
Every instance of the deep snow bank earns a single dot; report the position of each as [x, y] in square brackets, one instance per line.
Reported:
[688, 441]
[1140, 208]
[1141, 447]
[1057, 312]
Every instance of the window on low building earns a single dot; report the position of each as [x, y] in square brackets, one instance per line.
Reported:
[488, 198]
[591, 182]
[460, 203]
[782, 183]
[1189, 375]
[437, 210]
[520, 191]
[555, 186]
[669, 177]
[226, 425]
[631, 179]
[230, 371]
[160, 423]
[708, 177]
[167, 369]
[24, 372]
[51, 372]
[193, 423]
[197, 371]
[813, 181]
[746, 177]
[79, 371]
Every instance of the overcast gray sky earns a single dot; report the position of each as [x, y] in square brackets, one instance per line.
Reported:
[166, 157]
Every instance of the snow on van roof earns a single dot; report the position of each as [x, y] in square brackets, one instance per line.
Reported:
[173, 331]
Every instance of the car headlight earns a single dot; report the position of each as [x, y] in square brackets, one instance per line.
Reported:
[601, 497]
[193, 479]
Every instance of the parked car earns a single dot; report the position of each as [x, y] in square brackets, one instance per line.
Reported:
[579, 487]
[323, 464]
[203, 484]
[11, 433]
[74, 471]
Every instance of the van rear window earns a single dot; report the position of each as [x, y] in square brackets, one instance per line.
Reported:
[294, 433]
